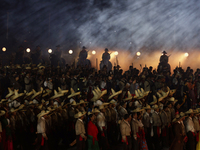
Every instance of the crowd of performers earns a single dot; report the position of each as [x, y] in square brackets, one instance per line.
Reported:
[43, 107]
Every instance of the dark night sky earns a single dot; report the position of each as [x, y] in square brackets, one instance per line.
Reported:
[121, 24]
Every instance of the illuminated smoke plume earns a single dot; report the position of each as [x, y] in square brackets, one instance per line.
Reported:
[128, 25]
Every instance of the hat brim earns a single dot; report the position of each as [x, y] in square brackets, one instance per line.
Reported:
[74, 94]
[115, 94]
[76, 115]
[57, 96]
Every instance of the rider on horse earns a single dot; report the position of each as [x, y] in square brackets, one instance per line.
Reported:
[164, 58]
[83, 54]
[163, 65]
[106, 56]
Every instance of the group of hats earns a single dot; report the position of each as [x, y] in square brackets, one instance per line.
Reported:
[140, 93]
[162, 95]
[97, 94]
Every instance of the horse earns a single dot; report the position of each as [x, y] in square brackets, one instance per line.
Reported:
[108, 65]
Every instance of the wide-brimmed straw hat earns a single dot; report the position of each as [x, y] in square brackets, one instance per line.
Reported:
[101, 107]
[113, 102]
[12, 110]
[47, 92]
[100, 93]
[28, 94]
[139, 94]
[82, 102]
[73, 103]
[95, 110]
[129, 97]
[147, 107]
[42, 113]
[16, 95]
[79, 114]
[114, 93]
[154, 100]
[56, 95]
[90, 113]
[36, 93]
[137, 110]
[172, 99]
[73, 93]
[10, 93]
[178, 117]
[2, 112]
[60, 91]
[145, 93]
[160, 97]
[95, 96]
[164, 94]
[155, 107]
[190, 111]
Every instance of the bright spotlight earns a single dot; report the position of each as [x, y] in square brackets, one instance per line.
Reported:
[116, 53]
[3, 49]
[93, 52]
[138, 53]
[186, 54]
[70, 51]
[49, 51]
[28, 50]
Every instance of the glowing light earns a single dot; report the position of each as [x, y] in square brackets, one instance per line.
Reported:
[138, 53]
[93, 52]
[116, 53]
[70, 51]
[50, 51]
[186, 54]
[3, 49]
[28, 50]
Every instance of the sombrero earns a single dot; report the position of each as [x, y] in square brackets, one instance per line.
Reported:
[16, 95]
[36, 93]
[82, 102]
[12, 110]
[101, 107]
[95, 97]
[10, 93]
[145, 93]
[42, 113]
[90, 113]
[172, 99]
[139, 94]
[164, 94]
[129, 97]
[100, 93]
[154, 100]
[56, 95]
[73, 93]
[74, 103]
[114, 93]
[155, 107]
[79, 114]
[2, 112]
[178, 117]
[137, 110]
[46, 93]
[160, 96]
[28, 94]
[190, 111]
[95, 110]
[60, 91]
[113, 102]
[147, 107]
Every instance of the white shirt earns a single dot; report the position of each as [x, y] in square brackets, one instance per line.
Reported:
[101, 120]
[41, 126]
[190, 125]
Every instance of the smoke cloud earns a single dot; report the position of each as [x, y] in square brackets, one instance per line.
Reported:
[126, 25]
